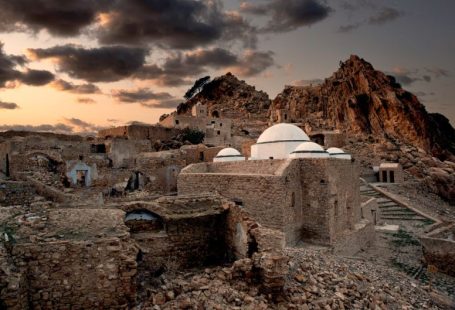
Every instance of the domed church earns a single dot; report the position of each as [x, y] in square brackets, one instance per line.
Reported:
[291, 184]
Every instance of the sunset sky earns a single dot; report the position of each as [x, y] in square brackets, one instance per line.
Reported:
[77, 66]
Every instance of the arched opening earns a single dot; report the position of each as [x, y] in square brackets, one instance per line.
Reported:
[143, 221]
[136, 181]
[215, 114]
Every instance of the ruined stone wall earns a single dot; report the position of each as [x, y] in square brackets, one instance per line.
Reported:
[16, 193]
[185, 243]
[439, 252]
[140, 132]
[120, 151]
[78, 274]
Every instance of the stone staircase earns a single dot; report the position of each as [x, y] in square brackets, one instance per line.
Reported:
[390, 211]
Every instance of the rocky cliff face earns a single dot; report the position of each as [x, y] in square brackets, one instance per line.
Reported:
[229, 97]
[361, 100]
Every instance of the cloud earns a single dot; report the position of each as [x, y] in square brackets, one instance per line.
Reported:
[9, 71]
[177, 24]
[85, 100]
[181, 68]
[253, 63]
[407, 77]
[66, 18]
[438, 72]
[382, 16]
[8, 106]
[36, 77]
[146, 98]
[63, 85]
[81, 126]
[104, 64]
[311, 82]
[57, 128]
[288, 15]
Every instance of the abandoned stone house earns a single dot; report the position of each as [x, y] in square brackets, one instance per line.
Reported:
[390, 173]
[292, 185]
[217, 130]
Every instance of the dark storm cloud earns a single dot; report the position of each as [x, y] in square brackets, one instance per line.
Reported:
[63, 85]
[181, 68]
[180, 24]
[36, 77]
[146, 98]
[59, 128]
[104, 64]
[288, 15]
[62, 18]
[8, 106]
[9, 71]
[139, 95]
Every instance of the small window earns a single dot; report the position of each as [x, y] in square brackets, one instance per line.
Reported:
[285, 116]
[221, 124]
[213, 122]
[201, 156]
[392, 176]
[271, 157]
[177, 121]
[293, 200]
[218, 132]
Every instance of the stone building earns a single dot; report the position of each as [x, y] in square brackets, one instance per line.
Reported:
[390, 173]
[218, 130]
[312, 199]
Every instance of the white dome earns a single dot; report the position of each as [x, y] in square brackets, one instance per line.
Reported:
[335, 150]
[228, 154]
[338, 153]
[309, 150]
[283, 133]
[229, 151]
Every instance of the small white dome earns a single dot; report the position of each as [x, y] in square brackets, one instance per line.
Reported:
[335, 150]
[309, 147]
[338, 153]
[283, 133]
[228, 154]
[309, 150]
[229, 151]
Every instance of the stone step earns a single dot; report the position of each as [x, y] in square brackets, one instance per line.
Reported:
[403, 218]
[396, 210]
[384, 200]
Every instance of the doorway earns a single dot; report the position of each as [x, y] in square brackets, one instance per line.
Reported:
[392, 176]
[7, 166]
[81, 178]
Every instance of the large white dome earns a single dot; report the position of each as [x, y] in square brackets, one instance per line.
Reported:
[228, 154]
[283, 133]
[338, 153]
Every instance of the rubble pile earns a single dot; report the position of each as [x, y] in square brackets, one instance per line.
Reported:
[316, 280]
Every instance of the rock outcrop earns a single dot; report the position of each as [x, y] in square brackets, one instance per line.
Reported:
[361, 100]
[230, 97]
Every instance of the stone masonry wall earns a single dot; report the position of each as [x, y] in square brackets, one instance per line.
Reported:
[79, 274]
[263, 196]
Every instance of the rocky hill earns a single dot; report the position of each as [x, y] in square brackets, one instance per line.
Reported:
[361, 100]
[231, 98]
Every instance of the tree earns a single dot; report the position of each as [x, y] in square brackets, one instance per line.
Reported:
[194, 136]
[197, 87]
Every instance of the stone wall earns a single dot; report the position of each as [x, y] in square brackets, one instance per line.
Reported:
[316, 200]
[82, 274]
[140, 132]
[438, 247]
[16, 193]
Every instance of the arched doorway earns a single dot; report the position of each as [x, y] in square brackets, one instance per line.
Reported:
[215, 114]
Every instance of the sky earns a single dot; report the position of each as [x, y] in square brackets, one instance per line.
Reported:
[78, 66]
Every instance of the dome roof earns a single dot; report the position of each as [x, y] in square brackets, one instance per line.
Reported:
[335, 151]
[309, 147]
[283, 133]
[338, 153]
[228, 152]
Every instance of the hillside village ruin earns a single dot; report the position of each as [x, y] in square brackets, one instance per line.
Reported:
[93, 222]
